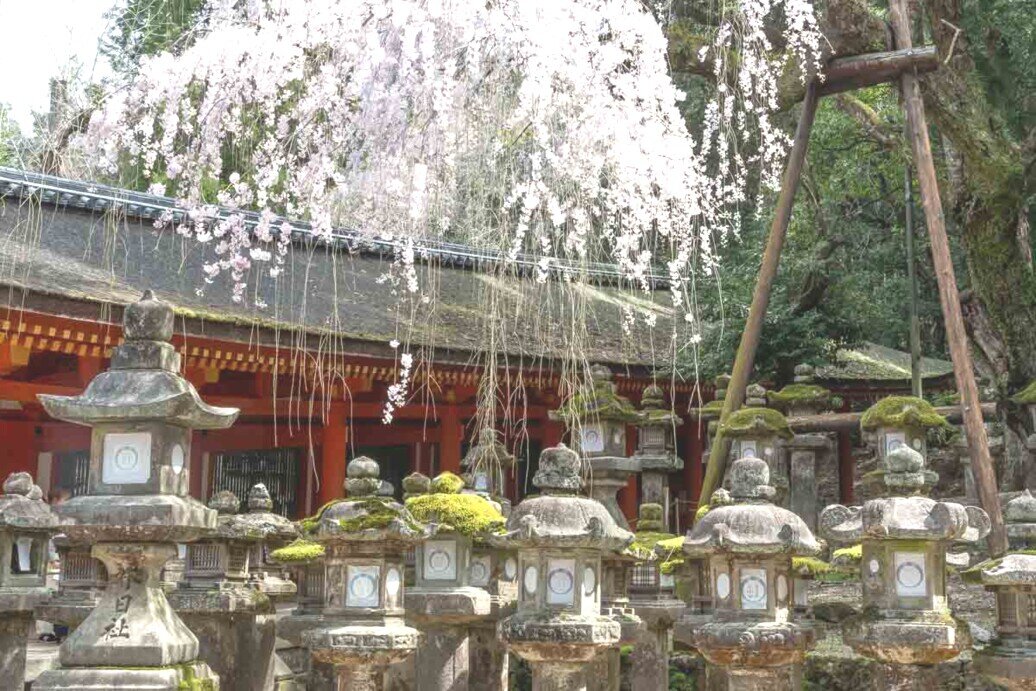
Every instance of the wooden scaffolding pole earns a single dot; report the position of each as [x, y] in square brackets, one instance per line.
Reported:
[745, 358]
[956, 337]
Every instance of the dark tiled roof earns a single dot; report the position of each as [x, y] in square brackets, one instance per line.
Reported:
[878, 363]
[79, 244]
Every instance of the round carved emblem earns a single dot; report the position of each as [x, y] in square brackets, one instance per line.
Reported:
[560, 581]
[753, 589]
[510, 569]
[874, 566]
[126, 458]
[909, 575]
[362, 586]
[439, 560]
[479, 572]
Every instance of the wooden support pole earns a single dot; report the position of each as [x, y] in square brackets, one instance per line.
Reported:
[745, 358]
[915, 320]
[956, 337]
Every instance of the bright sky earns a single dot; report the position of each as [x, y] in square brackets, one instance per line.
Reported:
[38, 40]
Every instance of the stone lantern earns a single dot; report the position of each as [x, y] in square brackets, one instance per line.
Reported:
[897, 421]
[233, 622]
[1010, 660]
[906, 623]
[560, 537]
[26, 524]
[656, 448]
[597, 420]
[756, 432]
[805, 452]
[452, 580]
[274, 531]
[136, 509]
[350, 600]
[81, 582]
[750, 543]
[484, 466]
[653, 596]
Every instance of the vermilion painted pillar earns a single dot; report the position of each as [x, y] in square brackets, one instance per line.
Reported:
[845, 468]
[693, 467]
[333, 456]
[553, 432]
[450, 434]
[628, 494]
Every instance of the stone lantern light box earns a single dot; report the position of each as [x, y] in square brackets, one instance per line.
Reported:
[598, 417]
[901, 420]
[755, 431]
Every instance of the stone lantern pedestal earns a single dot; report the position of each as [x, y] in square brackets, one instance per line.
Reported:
[450, 596]
[652, 594]
[906, 624]
[234, 622]
[26, 524]
[350, 601]
[749, 544]
[137, 509]
[1010, 660]
[81, 582]
[597, 419]
[560, 538]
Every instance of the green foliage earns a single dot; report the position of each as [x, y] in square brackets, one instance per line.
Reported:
[1026, 396]
[10, 136]
[902, 411]
[752, 421]
[142, 28]
[467, 514]
[848, 555]
[799, 393]
[299, 551]
[810, 565]
[700, 513]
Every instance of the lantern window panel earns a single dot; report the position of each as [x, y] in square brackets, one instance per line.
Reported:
[591, 439]
[393, 588]
[440, 560]
[910, 574]
[127, 458]
[480, 570]
[24, 556]
[364, 585]
[753, 589]
[561, 581]
[589, 591]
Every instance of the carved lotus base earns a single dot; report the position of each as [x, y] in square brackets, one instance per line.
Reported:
[927, 641]
[560, 638]
[359, 645]
[753, 644]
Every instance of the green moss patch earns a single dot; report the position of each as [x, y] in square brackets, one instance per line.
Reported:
[751, 422]
[902, 411]
[467, 514]
[973, 574]
[299, 551]
[799, 393]
[601, 403]
[810, 566]
[1026, 396]
[849, 555]
[378, 513]
[700, 513]
[447, 483]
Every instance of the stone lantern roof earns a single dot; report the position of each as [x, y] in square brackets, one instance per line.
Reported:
[254, 526]
[752, 422]
[654, 410]
[1016, 568]
[751, 524]
[143, 382]
[364, 516]
[803, 392]
[488, 452]
[602, 402]
[262, 521]
[559, 517]
[901, 411]
[905, 518]
[22, 508]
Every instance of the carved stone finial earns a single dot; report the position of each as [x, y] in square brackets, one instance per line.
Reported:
[803, 374]
[148, 319]
[225, 502]
[416, 484]
[653, 398]
[559, 470]
[18, 483]
[905, 471]
[749, 479]
[259, 499]
[755, 396]
[362, 477]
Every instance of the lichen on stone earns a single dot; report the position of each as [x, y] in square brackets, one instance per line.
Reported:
[700, 513]
[379, 512]
[297, 552]
[973, 575]
[848, 555]
[753, 421]
[467, 514]
[903, 412]
[810, 566]
[1026, 396]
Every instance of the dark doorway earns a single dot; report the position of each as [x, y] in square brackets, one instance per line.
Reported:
[278, 469]
[394, 462]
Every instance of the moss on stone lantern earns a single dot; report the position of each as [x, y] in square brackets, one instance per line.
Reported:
[750, 544]
[803, 396]
[26, 524]
[461, 588]
[350, 602]
[1010, 659]
[901, 420]
[906, 623]
[560, 537]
